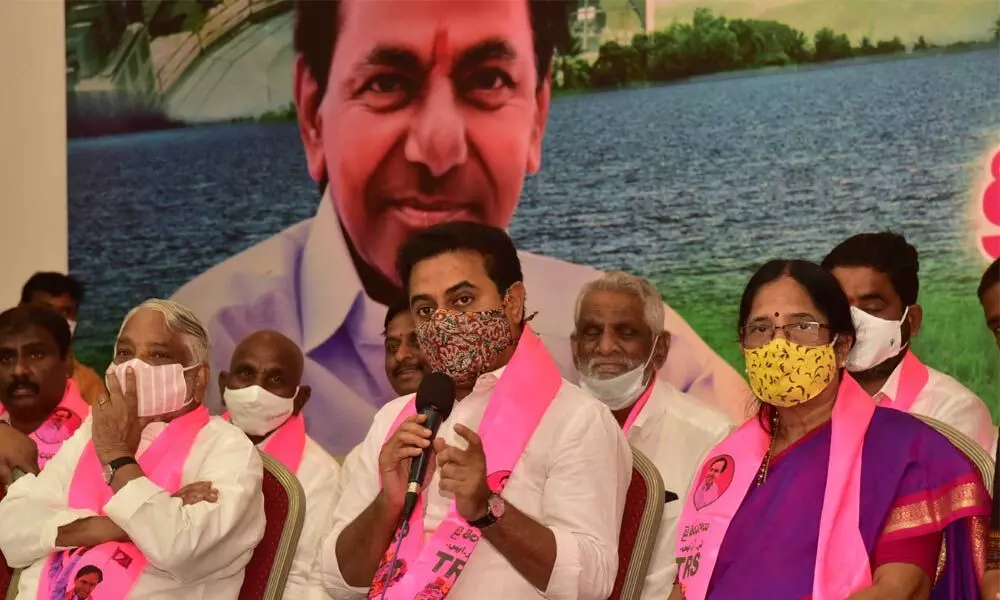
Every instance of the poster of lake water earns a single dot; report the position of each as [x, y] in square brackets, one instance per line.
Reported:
[687, 142]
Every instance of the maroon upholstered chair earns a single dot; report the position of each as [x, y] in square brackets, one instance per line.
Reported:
[285, 508]
[640, 524]
[6, 573]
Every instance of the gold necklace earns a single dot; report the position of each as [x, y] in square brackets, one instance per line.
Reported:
[762, 472]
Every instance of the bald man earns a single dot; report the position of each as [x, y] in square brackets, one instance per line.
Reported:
[264, 396]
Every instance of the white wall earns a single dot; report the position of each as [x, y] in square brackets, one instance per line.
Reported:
[33, 230]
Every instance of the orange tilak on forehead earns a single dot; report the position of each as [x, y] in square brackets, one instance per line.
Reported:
[441, 51]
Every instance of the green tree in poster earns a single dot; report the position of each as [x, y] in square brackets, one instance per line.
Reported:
[831, 46]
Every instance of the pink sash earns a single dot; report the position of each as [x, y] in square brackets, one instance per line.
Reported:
[65, 419]
[517, 404]
[913, 376]
[638, 406]
[842, 565]
[287, 443]
[120, 564]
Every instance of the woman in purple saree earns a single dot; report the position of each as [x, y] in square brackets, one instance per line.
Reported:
[829, 497]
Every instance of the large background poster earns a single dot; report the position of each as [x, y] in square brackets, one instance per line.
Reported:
[687, 142]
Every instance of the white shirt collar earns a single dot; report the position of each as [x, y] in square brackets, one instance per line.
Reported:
[652, 411]
[328, 283]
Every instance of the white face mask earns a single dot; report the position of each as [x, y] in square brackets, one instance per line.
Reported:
[160, 389]
[257, 411]
[878, 340]
[72, 326]
[621, 391]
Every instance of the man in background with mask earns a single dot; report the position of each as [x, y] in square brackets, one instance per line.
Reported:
[111, 487]
[40, 406]
[63, 294]
[618, 345]
[879, 274]
[543, 521]
[404, 362]
[263, 392]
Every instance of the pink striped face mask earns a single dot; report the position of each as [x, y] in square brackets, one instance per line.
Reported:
[161, 389]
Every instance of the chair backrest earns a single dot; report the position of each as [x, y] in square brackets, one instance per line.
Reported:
[6, 573]
[285, 507]
[640, 524]
[979, 457]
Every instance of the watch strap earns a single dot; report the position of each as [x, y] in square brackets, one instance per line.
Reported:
[121, 462]
[488, 519]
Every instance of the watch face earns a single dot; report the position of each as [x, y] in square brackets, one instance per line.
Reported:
[108, 472]
[496, 506]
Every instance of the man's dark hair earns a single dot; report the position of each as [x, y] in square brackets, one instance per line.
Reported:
[888, 253]
[397, 307]
[317, 23]
[991, 277]
[20, 318]
[87, 570]
[493, 244]
[56, 284]
[725, 464]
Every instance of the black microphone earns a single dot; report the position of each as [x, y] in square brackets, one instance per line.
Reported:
[435, 398]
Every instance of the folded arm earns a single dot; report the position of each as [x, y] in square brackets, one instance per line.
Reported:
[194, 541]
[35, 511]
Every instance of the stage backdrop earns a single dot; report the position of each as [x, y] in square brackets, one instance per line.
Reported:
[686, 142]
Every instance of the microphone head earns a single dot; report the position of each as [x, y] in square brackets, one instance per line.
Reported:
[436, 392]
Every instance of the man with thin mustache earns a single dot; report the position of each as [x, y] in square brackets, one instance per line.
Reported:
[41, 403]
[404, 362]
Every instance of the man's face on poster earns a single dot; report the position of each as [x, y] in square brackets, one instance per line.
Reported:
[85, 584]
[432, 112]
[714, 471]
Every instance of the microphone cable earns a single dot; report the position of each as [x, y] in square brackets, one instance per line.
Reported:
[395, 556]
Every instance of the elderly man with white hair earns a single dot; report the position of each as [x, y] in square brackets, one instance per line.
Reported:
[618, 346]
[160, 497]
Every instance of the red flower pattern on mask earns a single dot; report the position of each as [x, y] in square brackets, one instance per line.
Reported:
[463, 345]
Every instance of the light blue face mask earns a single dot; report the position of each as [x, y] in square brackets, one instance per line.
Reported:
[621, 391]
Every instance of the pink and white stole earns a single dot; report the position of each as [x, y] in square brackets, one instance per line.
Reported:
[842, 564]
[121, 563]
[286, 443]
[516, 406]
[913, 376]
[638, 406]
[50, 435]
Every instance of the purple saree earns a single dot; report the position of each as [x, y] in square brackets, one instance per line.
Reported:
[913, 483]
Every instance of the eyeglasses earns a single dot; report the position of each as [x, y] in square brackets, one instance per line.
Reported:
[807, 333]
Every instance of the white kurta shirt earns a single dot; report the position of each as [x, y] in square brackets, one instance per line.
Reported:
[319, 475]
[675, 431]
[572, 478]
[195, 552]
[948, 401]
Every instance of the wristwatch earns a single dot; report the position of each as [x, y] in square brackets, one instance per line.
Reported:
[495, 507]
[112, 467]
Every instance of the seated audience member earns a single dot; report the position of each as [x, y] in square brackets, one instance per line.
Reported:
[40, 405]
[404, 362]
[878, 271]
[618, 345]
[64, 294]
[825, 494]
[107, 499]
[989, 297]
[264, 395]
[543, 520]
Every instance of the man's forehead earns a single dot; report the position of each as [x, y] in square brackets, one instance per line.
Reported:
[438, 30]
[149, 327]
[25, 335]
[610, 305]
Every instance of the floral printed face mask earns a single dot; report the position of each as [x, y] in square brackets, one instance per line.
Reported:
[783, 373]
[463, 345]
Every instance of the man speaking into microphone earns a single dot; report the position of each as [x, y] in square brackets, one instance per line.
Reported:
[526, 486]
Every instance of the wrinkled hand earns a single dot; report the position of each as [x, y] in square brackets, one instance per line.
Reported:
[200, 491]
[407, 443]
[116, 425]
[17, 451]
[463, 473]
[990, 588]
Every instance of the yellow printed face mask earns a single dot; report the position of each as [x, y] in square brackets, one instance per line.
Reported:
[783, 373]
